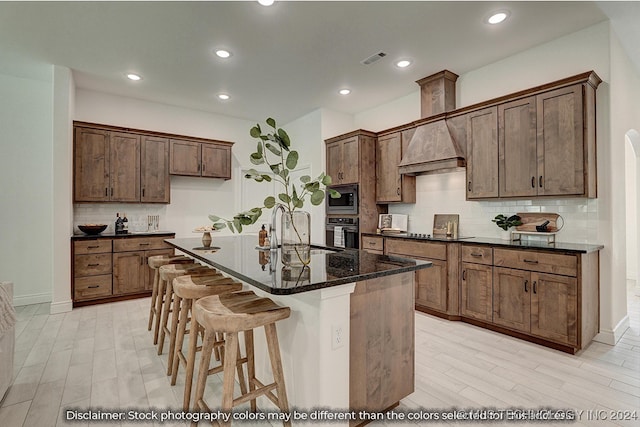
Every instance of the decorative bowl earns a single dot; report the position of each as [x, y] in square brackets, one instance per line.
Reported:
[92, 228]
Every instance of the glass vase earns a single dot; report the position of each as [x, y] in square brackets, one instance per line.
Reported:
[295, 238]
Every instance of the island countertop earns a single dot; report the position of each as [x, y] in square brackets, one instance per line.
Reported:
[239, 257]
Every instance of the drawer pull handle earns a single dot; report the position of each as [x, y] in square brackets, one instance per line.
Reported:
[476, 255]
[92, 265]
[535, 290]
[531, 261]
[533, 182]
[464, 274]
[469, 186]
[526, 282]
[93, 287]
[144, 244]
[93, 247]
[540, 181]
[372, 243]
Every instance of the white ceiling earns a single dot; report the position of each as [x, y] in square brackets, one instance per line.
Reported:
[288, 59]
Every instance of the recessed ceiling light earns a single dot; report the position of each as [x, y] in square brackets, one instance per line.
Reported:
[404, 63]
[134, 77]
[344, 91]
[266, 2]
[222, 53]
[223, 96]
[497, 17]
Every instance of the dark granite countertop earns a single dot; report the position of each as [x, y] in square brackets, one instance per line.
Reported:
[238, 256]
[106, 235]
[509, 244]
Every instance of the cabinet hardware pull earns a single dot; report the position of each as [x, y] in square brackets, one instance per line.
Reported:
[93, 287]
[464, 274]
[398, 191]
[106, 192]
[143, 192]
[93, 247]
[533, 182]
[111, 191]
[92, 265]
[535, 291]
[476, 255]
[469, 186]
[526, 282]
[204, 165]
[372, 243]
[531, 261]
[144, 244]
[540, 181]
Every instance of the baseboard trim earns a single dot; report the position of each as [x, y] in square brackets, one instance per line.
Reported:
[19, 300]
[61, 307]
[611, 337]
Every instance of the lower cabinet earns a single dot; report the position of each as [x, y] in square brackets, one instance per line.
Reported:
[475, 291]
[431, 285]
[108, 268]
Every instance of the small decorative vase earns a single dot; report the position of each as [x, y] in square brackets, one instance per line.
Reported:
[505, 234]
[295, 238]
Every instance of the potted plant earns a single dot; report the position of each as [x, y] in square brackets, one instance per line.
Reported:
[505, 223]
[274, 150]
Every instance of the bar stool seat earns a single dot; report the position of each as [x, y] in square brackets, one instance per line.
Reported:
[186, 290]
[167, 274]
[232, 313]
[155, 262]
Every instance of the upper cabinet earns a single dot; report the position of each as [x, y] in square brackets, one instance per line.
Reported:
[205, 159]
[114, 164]
[343, 161]
[391, 186]
[545, 143]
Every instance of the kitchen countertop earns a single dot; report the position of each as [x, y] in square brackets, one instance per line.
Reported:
[111, 235]
[517, 244]
[238, 256]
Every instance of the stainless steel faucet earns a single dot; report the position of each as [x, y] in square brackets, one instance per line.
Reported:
[274, 241]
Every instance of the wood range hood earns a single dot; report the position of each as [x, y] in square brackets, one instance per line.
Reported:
[433, 149]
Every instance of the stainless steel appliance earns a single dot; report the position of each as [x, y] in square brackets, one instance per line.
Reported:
[346, 204]
[342, 233]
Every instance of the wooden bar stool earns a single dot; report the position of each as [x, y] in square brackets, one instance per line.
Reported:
[232, 313]
[167, 274]
[186, 290]
[155, 262]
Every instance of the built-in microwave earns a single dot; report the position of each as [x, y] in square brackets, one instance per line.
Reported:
[346, 204]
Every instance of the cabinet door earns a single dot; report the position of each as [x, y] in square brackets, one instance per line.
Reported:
[185, 158]
[476, 291]
[388, 156]
[511, 301]
[351, 161]
[124, 168]
[431, 286]
[561, 168]
[129, 272]
[91, 165]
[554, 306]
[518, 164]
[482, 153]
[154, 170]
[216, 161]
[334, 161]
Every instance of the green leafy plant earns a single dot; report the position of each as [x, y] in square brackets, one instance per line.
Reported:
[274, 150]
[505, 222]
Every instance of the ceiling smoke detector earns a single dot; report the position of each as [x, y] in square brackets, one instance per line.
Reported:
[373, 58]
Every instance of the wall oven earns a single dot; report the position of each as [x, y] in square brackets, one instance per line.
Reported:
[346, 204]
[342, 233]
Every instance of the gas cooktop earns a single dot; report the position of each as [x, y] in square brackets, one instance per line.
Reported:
[424, 236]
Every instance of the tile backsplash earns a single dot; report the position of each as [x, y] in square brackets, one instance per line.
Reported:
[105, 213]
[445, 194]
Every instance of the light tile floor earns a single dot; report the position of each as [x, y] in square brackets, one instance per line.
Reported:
[102, 357]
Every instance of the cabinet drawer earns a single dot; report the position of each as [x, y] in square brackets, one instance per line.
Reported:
[92, 287]
[92, 264]
[477, 254]
[91, 246]
[417, 249]
[545, 262]
[139, 244]
[372, 243]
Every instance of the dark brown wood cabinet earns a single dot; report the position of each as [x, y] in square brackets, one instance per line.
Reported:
[476, 282]
[154, 170]
[124, 170]
[482, 154]
[391, 186]
[511, 301]
[204, 159]
[343, 160]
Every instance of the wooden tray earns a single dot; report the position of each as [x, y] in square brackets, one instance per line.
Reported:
[531, 219]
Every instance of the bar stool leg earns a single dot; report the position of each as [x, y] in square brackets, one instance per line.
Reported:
[159, 305]
[154, 296]
[228, 381]
[166, 307]
[175, 313]
[181, 332]
[203, 369]
[276, 366]
[251, 365]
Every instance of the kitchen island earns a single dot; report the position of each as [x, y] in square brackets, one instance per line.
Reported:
[349, 343]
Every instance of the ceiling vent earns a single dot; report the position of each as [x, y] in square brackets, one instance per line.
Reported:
[373, 58]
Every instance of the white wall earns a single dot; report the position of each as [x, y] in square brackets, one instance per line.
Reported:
[587, 220]
[26, 188]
